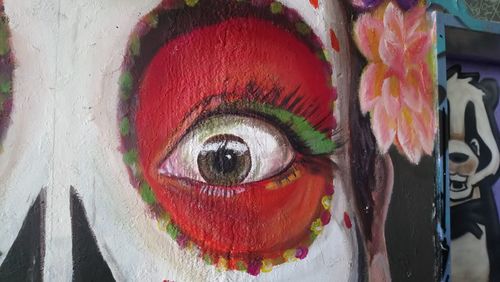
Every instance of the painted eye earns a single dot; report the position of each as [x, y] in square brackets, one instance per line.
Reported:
[227, 150]
[224, 160]
[475, 146]
[226, 136]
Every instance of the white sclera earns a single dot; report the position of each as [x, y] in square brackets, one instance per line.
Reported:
[270, 150]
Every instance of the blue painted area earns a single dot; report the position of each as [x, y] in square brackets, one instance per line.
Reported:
[458, 10]
[442, 178]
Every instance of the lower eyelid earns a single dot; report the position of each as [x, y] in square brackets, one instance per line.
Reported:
[282, 179]
[285, 178]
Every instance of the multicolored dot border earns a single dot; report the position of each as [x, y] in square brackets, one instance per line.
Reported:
[127, 90]
[7, 64]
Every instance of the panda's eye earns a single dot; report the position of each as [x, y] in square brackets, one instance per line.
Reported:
[474, 144]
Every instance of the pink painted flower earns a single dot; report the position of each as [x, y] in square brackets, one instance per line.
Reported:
[396, 85]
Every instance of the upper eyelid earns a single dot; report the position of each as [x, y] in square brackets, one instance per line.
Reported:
[242, 107]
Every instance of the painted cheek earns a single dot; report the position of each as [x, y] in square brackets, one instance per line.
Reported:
[262, 221]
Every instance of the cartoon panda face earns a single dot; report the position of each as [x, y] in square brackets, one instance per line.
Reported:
[473, 149]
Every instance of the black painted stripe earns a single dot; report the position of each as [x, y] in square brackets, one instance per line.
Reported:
[88, 263]
[24, 261]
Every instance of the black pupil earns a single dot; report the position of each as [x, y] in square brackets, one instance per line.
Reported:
[224, 160]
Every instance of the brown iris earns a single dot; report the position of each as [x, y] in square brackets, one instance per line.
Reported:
[224, 160]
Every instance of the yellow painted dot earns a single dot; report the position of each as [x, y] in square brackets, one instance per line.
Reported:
[276, 7]
[326, 54]
[267, 265]
[163, 222]
[289, 255]
[222, 264]
[191, 3]
[317, 226]
[326, 202]
[272, 186]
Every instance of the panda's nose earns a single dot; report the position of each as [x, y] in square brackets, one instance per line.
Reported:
[458, 157]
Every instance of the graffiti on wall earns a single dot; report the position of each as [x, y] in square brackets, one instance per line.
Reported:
[236, 133]
[474, 163]
[256, 140]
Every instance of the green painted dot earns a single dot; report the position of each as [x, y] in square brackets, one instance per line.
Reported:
[327, 55]
[191, 3]
[207, 259]
[147, 194]
[173, 231]
[130, 157]
[321, 55]
[313, 236]
[126, 84]
[135, 45]
[125, 126]
[4, 39]
[276, 7]
[302, 28]
[241, 266]
[5, 86]
[152, 20]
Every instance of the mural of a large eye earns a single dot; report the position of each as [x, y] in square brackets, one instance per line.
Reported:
[228, 150]
[228, 128]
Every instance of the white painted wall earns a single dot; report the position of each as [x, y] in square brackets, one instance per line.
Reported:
[64, 133]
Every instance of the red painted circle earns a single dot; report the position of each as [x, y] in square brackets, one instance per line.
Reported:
[224, 58]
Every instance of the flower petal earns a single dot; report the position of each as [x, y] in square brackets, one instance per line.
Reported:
[424, 123]
[392, 45]
[383, 127]
[426, 83]
[393, 56]
[418, 46]
[371, 86]
[407, 137]
[391, 92]
[367, 34]
[411, 90]
[394, 24]
[413, 19]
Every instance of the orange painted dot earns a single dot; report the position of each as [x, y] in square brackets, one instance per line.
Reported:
[315, 3]
[334, 41]
[347, 221]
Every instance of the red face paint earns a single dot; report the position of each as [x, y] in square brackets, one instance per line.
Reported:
[347, 220]
[334, 41]
[219, 61]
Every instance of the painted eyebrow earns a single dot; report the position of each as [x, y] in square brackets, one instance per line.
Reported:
[289, 112]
